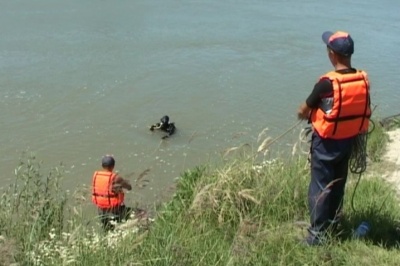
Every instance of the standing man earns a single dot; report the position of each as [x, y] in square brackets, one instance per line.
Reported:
[108, 194]
[338, 109]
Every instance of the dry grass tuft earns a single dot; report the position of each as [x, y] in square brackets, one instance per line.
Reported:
[294, 149]
[245, 193]
[247, 231]
[198, 201]
[264, 145]
[8, 251]
[233, 149]
[228, 151]
[230, 194]
[262, 134]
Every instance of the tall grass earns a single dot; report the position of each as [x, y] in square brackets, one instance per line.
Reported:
[241, 216]
[377, 141]
[40, 224]
[246, 212]
[32, 206]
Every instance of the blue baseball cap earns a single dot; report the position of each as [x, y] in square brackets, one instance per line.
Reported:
[340, 42]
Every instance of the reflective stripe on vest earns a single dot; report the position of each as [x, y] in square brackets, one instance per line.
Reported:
[350, 110]
[102, 194]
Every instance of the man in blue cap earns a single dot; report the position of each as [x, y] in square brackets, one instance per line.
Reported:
[339, 110]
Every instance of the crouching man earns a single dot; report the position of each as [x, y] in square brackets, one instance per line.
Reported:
[108, 194]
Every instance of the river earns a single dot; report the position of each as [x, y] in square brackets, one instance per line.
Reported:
[80, 79]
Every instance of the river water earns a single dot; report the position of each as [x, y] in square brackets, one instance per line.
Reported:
[80, 79]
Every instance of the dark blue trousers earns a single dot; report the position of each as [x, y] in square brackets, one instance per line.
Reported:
[329, 169]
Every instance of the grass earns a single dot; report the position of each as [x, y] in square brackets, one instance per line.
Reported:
[246, 212]
[377, 141]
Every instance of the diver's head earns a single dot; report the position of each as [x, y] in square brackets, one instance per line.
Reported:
[164, 119]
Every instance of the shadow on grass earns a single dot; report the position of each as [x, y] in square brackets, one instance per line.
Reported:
[384, 229]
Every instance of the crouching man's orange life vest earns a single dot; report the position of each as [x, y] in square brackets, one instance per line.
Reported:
[350, 107]
[102, 194]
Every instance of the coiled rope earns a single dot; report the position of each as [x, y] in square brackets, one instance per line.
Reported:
[358, 158]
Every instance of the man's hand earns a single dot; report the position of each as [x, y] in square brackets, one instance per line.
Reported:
[304, 112]
[120, 183]
[155, 126]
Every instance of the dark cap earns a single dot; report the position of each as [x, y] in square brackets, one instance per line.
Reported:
[107, 161]
[340, 42]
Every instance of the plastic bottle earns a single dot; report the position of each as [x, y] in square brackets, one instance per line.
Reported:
[362, 230]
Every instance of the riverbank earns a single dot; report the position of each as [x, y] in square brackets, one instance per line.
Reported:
[392, 155]
[243, 213]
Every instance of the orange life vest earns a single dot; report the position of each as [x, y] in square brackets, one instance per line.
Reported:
[351, 109]
[102, 194]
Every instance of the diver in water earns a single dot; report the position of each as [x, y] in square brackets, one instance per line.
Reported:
[164, 126]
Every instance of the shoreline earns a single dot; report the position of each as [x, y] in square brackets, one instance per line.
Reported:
[392, 155]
